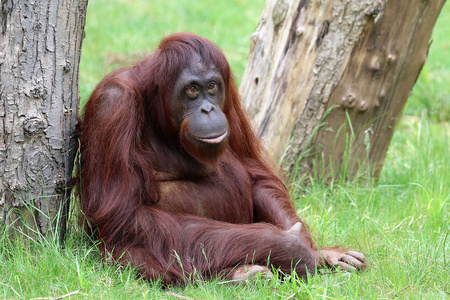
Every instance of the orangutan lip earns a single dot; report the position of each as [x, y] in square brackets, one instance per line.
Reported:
[214, 140]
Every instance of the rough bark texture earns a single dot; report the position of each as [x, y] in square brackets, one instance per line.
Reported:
[40, 48]
[326, 81]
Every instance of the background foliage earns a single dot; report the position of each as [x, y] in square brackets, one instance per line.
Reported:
[401, 223]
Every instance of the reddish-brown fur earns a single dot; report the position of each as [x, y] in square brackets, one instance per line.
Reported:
[150, 203]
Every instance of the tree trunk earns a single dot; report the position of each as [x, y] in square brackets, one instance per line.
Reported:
[327, 81]
[40, 48]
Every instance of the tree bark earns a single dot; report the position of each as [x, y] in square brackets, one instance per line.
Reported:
[40, 48]
[326, 81]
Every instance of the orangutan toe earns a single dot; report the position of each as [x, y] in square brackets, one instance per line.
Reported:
[246, 272]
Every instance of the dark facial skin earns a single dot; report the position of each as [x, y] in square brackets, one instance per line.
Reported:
[197, 103]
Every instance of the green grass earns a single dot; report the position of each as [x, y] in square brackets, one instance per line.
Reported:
[401, 224]
[432, 91]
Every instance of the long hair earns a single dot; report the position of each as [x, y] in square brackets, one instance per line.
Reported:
[116, 153]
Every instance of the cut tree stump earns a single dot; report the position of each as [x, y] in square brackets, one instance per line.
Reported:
[40, 48]
[326, 81]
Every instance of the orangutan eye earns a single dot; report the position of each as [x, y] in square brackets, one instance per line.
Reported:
[212, 86]
[192, 91]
